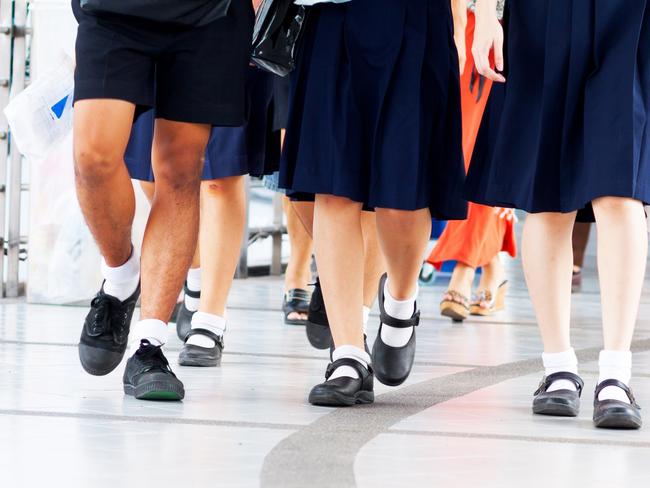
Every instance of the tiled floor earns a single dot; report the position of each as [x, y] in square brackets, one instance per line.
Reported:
[462, 419]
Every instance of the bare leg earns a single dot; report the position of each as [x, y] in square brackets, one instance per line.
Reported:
[580, 239]
[461, 279]
[298, 273]
[547, 259]
[338, 219]
[373, 262]
[622, 255]
[178, 151]
[305, 212]
[492, 275]
[223, 213]
[106, 197]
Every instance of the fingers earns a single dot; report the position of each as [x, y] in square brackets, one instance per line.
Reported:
[498, 52]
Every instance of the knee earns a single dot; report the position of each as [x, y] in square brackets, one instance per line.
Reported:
[230, 188]
[340, 205]
[95, 162]
[616, 207]
[178, 166]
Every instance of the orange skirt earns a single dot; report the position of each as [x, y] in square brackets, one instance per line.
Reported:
[484, 234]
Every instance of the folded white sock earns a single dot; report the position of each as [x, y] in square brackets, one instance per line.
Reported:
[122, 281]
[399, 309]
[352, 352]
[193, 282]
[615, 365]
[153, 330]
[556, 362]
[208, 321]
[366, 318]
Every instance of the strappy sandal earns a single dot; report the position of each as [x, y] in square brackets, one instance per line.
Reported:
[296, 300]
[559, 403]
[484, 303]
[454, 305]
[615, 414]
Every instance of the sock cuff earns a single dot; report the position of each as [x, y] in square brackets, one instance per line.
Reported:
[390, 297]
[366, 315]
[352, 352]
[194, 279]
[211, 322]
[123, 273]
[621, 359]
[560, 359]
[149, 329]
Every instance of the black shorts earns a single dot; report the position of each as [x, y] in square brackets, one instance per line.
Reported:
[188, 74]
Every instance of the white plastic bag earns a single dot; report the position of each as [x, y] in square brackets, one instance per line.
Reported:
[40, 117]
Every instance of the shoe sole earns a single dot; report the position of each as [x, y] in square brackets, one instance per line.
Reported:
[319, 336]
[338, 400]
[88, 358]
[454, 311]
[295, 322]
[555, 408]
[156, 391]
[618, 421]
[199, 362]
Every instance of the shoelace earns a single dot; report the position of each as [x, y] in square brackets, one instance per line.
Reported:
[153, 356]
[110, 318]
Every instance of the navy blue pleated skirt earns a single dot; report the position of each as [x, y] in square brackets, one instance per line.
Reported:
[572, 122]
[375, 107]
[253, 148]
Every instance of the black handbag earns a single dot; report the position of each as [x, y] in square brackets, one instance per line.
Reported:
[277, 28]
[183, 12]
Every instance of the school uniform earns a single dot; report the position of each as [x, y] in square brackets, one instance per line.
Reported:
[253, 148]
[375, 107]
[572, 122]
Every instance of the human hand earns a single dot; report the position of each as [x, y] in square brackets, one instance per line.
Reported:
[488, 37]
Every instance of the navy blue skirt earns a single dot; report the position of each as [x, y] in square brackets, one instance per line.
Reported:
[253, 148]
[375, 107]
[572, 122]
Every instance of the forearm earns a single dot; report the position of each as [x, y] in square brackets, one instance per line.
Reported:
[486, 7]
[459, 13]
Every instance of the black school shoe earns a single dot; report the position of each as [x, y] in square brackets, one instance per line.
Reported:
[148, 376]
[192, 355]
[344, 391]
[184, 317]
[318, 326]
[615, 414]
[393, 364]
[560, 403]
[105, 333]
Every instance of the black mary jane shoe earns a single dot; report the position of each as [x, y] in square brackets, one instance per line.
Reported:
[344, 391]
[184, 316]
[295, 301]
[192, 355]
[318, 326]
[393, 364]
[560, 403]
[615, 414]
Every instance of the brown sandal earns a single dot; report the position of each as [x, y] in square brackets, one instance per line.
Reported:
[455, 306]
[484, 304]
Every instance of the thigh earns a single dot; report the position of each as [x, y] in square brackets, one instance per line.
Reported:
[201, 77]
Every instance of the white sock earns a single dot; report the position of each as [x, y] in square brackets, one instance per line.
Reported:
[556, 362]
[193, 284]
[615, 365]
[352, 352]
[399, 309]
[122, 281]
[366, 318]
[208, 321]
[153, 330]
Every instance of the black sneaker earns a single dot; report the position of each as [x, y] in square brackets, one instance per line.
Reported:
[148, 376]
[106, 332]
[318, 326]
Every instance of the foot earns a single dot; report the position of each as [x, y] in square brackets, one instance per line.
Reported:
[193, 355]
[455, 306]
[184, 317]
[560, 403]
[105, 333]
[148, 376]
[486, 302]
[393, 364]
[576, 280]
[616, 414]
[318, 326]
[296, 306]
[344, 391]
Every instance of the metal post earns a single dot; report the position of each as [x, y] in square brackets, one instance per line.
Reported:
[16, 159]
[242, 269]
[6, 29]
[276, 259]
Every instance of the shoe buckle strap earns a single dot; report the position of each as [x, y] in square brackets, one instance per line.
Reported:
[618, 384]
[386, 319]
[547, 381]
[206, 333]
[353, 363]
